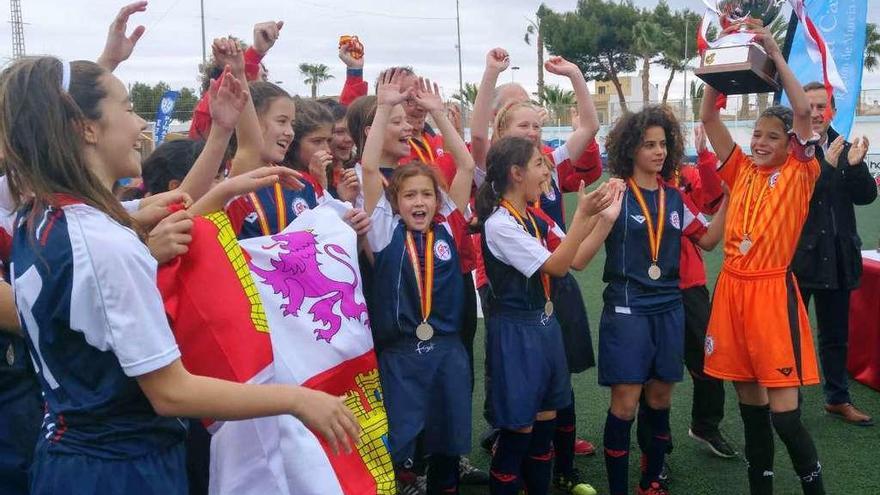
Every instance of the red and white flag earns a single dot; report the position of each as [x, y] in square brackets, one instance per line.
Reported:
[305, 307]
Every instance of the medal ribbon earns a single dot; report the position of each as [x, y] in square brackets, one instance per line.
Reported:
[425, 283]
[545, 278]
[655, 234]
[423, 150]
[280, 209]
[750, 216]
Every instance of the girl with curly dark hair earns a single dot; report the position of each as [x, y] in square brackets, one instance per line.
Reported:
[641, 335]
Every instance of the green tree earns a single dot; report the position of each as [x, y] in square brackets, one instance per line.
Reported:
[534, 30]
[678, 49]
[145, 100]
[872, 46]
[315, 75]
[647, 40]
[467, 96]
[591, 38]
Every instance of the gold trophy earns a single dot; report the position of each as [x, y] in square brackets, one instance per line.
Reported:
[733, 64]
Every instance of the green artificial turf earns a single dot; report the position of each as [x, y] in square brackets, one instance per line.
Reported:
[849, 454]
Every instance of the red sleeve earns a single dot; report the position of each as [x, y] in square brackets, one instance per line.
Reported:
[693, 227]
[587, 168]
[5, 247]
[553, 240]
[200, 125]
[252, 60]
[237, 211]
[707, 197]
[354, 87]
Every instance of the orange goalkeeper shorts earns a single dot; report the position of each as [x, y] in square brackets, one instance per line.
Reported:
[759, 330]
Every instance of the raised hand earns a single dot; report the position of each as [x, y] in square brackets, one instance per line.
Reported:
[171, 237]
[497, 60]
[118, 46]
[428, 96]
[228, 99]
[699, 138]
[453, 113]
[265, 35]
[390, 91]
[857, 151]
[351, 53]
[766, 39]
[834, 150]
[228, 52]
[561, 67]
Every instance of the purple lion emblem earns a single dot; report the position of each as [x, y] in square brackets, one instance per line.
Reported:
[296, 275]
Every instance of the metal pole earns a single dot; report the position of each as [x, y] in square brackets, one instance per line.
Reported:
[684, 94]
[204, 52]
[460, 76]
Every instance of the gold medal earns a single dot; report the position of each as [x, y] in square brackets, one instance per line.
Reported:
[745, 245]
[548, 308]
[654, 271]
[10, 355]
[424, 331]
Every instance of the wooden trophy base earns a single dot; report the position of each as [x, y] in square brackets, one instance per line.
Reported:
[738, 70]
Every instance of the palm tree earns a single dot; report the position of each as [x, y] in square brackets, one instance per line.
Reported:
[678, 28]
[315, 75]
[647, 39]
[534, 29]
[557, 100]
[872, 46]
[467, 96]
[696, 99]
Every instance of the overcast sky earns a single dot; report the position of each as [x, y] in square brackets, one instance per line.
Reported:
[421, 33]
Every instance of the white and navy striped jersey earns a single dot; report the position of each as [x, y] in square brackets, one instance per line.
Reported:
[85, 288]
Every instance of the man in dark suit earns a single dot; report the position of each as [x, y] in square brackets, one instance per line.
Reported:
[828, 261]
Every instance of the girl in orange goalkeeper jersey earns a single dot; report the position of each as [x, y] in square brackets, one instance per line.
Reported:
[759, 332]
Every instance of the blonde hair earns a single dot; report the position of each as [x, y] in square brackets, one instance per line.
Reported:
[502, 120]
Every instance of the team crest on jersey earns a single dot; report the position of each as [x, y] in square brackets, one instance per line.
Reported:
[551, 195]
[251, 218]
[299, 205]
[674, 220]
[638, 218]
[439, 152]
[442, 250]
[710, 345]
[773, 179]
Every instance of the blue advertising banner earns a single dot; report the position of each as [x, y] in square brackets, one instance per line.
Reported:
[842, 25]
[164, 115]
